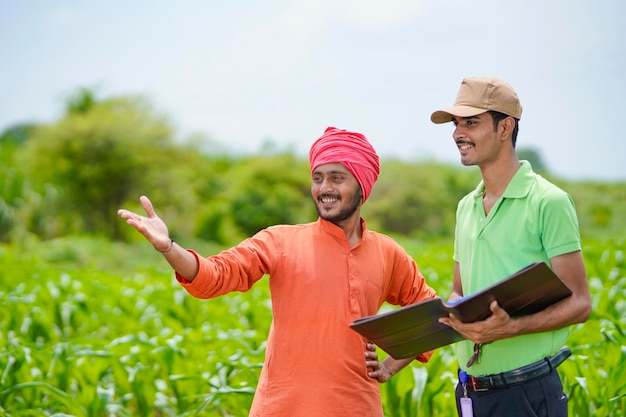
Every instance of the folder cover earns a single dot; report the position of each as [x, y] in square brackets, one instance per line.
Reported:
[413, 329]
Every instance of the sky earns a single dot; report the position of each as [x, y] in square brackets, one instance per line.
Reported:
[243, 73]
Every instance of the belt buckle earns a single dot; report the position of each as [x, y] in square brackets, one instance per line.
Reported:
[474, 386]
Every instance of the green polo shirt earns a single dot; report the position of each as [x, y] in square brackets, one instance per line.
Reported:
[533, 221]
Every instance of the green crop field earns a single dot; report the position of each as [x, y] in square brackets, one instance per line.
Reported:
[92, 328]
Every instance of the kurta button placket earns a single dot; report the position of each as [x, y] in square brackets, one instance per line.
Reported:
[353, 283]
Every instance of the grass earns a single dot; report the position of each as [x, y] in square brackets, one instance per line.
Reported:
[92, 328]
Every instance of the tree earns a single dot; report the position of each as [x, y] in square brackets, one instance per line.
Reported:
[418, 199]
[533, 156]
[271, 190]
[81, 101]
[95, 157]
[13, 183]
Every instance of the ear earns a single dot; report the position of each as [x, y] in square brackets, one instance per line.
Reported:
[506, 127]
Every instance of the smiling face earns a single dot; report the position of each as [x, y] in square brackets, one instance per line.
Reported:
[336, 193]
[478, 142]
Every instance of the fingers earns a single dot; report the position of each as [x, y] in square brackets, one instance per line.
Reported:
[376, 370]
[495, 308]
[374, 367]
[130, 217]
[370, 354]
[371, 357]
[448, 321]
[147, 206]
[123, 213]
[134, 219]
[498, 313]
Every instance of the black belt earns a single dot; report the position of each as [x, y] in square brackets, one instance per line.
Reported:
[519, 375]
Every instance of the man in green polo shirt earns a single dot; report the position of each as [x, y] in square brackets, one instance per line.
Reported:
[512, 219]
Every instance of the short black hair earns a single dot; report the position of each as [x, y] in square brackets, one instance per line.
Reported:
[498, 117]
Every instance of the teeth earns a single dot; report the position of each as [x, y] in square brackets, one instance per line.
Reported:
[328, 200]
[465, 146]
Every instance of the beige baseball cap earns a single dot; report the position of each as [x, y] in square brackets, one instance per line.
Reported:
[478, 95]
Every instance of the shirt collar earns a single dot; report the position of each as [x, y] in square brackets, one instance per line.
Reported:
[518, 187]
[332, 229]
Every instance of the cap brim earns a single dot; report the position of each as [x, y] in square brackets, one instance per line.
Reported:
[446, 115]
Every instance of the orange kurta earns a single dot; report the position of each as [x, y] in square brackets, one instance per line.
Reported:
[314, 363]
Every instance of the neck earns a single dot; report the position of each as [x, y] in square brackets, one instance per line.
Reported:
[497, 176]
[352, 228]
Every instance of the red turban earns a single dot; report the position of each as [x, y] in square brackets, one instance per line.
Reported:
[352, 150]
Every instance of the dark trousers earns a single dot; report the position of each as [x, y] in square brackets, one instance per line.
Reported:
[542, 397]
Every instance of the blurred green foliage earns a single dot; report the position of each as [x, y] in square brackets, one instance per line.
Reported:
[70, 177]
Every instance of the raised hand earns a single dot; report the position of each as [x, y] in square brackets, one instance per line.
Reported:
[152, 227]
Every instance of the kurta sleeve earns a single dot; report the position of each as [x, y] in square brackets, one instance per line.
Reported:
[235, 269]
[408, 286]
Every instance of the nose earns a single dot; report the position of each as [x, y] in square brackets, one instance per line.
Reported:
[326, 185]
[321, 186]
[458, 133]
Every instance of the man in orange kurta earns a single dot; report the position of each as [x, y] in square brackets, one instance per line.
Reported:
[322, 276]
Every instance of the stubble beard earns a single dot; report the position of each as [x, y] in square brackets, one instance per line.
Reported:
[346, 212]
